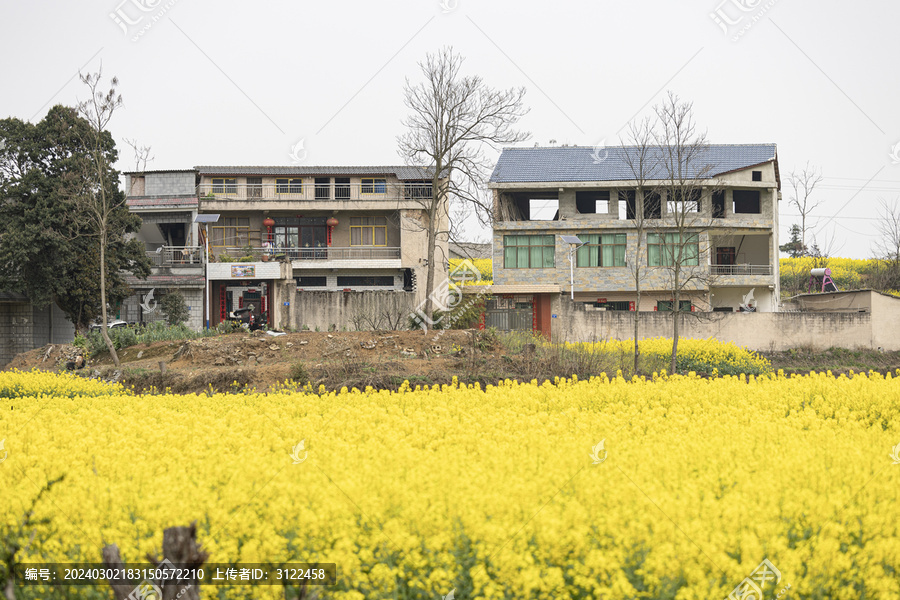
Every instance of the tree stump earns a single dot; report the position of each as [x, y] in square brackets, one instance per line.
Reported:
[180, 549]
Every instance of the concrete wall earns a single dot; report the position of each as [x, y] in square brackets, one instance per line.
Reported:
[24, 327]
[170, 184]
[757, 331]
[341, 310]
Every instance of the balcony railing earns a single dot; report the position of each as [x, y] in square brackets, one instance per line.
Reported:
[311, 254]
[741, 269]
[175, 256]
[313, 192]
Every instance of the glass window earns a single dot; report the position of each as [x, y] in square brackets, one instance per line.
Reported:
[372, 185]
[529, 251]
[368, 231]
[666, 250]
[289, 186]
[224, 185]
[601, 250]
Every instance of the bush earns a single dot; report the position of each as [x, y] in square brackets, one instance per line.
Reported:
[174, 308]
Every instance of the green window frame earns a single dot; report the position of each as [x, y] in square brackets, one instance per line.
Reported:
[665, 250]
[601, 250]
[529, 251]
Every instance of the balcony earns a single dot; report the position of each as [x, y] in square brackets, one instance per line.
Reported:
[269, 193]
[176, 256]
[320, 258]
[740, 269]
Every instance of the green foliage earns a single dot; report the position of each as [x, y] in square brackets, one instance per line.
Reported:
[174, 308]
[299, 373]
[123, 337]
[49, 248]
[228, 327]
[794, 248]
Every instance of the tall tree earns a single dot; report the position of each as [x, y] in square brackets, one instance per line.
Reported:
[453, 119]
[803, 183]
[686, 171]
[642, 158]
[99, 196]
[48, 249]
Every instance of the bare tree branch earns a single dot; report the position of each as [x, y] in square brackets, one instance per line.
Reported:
[453, 119]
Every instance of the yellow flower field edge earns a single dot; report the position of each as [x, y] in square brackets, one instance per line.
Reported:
[704, 356]
[36, 383]
[485, 269]
[660, 487]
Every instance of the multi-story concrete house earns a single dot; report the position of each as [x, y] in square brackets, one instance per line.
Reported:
[281, 236]
[167, 204]
[541, 194]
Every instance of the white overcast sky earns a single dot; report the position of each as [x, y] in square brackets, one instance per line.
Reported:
[241, 83]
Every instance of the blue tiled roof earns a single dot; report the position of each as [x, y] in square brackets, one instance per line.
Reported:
[587, 163]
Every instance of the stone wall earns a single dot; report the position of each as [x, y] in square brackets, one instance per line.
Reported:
[757, 331]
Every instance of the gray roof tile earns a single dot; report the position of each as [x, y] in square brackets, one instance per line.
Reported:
[585, 163]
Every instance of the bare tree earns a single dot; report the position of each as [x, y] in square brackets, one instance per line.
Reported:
[141, 155]
[453, 118]
[676, 245]
[643, 160]
[887, 247]
[803, 184]
[99, 197]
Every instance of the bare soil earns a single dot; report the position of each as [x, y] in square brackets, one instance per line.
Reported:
[257, 360]
[383, 360]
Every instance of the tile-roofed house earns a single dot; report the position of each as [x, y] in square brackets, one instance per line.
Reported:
[543, 193]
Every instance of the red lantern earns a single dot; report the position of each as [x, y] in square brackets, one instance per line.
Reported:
[331, 222]
[269, 222]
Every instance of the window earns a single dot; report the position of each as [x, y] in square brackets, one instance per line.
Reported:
[223, 185]
[756, 175]
[312, 281]
[718, 204]
[368, 231]
[254, 187]
[665, 250]
[323, 188]
[620, 305]
[652, 205]
[299, 234]
[746, 201]
[666, 305]
[289, 186]
[234, 232]
[373, 186]
[365, 280]
[627, 204]
[529, 251]
[592, 202]
[601, 250]
[674, 207]
[342, 188]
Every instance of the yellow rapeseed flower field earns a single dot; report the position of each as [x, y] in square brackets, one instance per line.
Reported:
[665, 487]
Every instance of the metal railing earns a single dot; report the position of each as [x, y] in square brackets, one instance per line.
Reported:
[323, 253]
[741, 269]
[174, 256]
[310, 191]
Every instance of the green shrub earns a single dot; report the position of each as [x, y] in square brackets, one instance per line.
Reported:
[174, 308]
